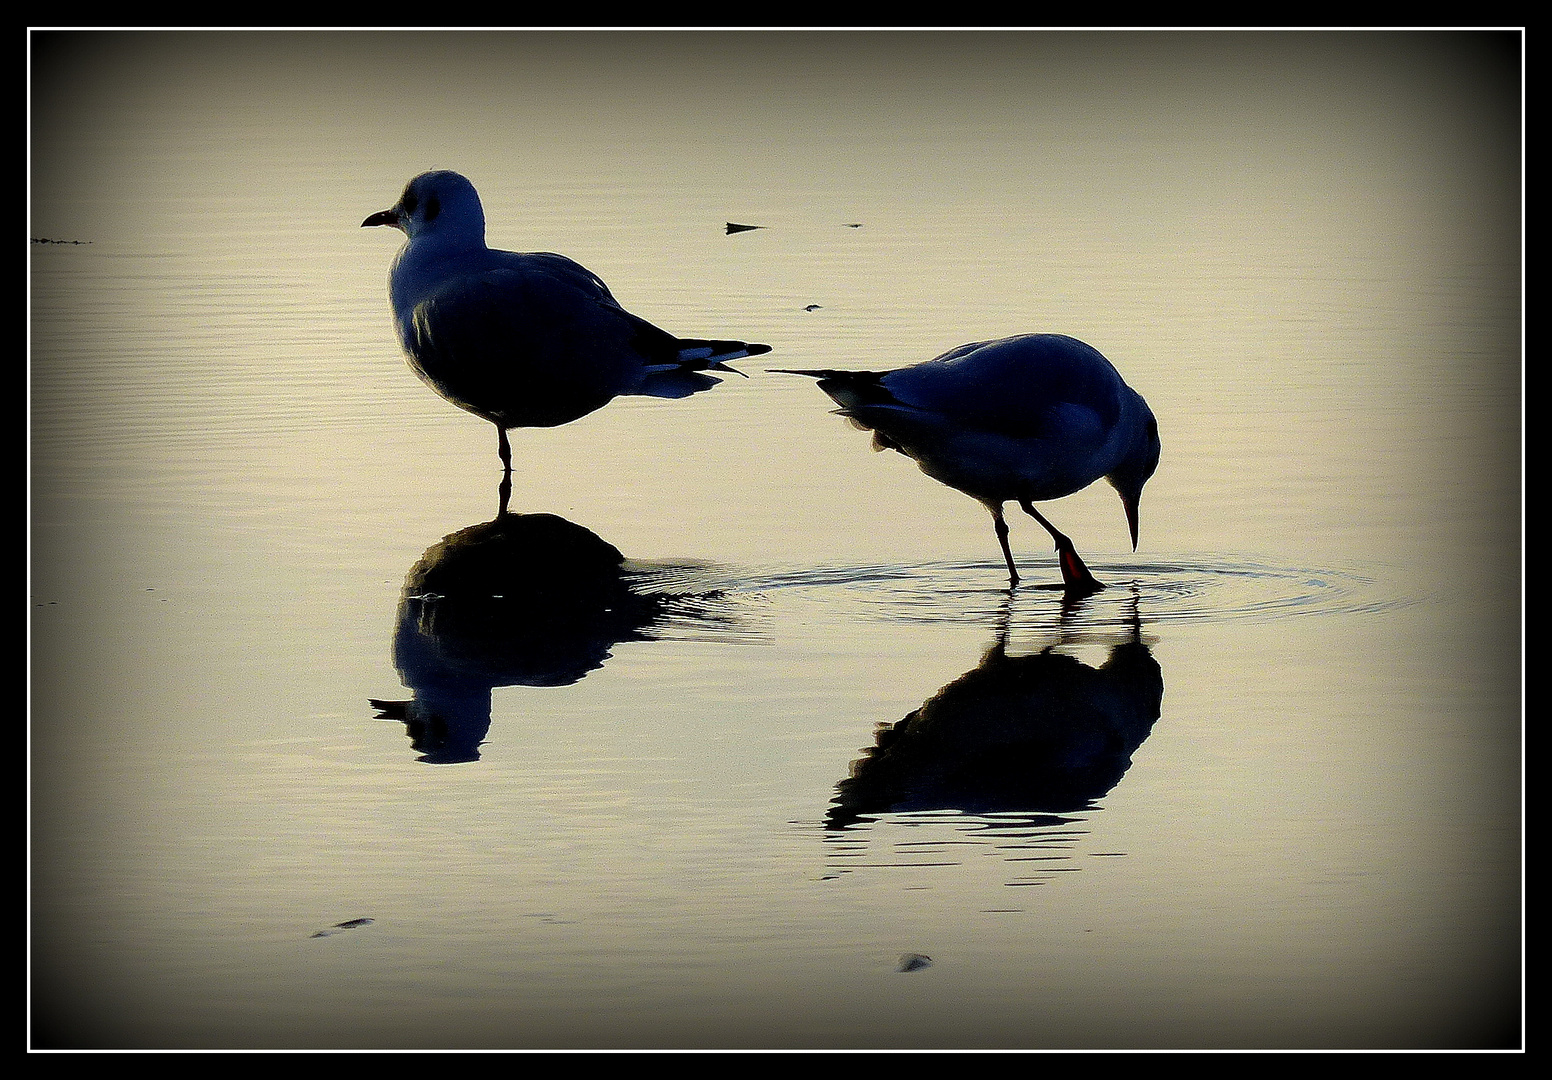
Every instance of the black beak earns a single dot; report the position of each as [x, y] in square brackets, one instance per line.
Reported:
[382, 217]
[1130, 502]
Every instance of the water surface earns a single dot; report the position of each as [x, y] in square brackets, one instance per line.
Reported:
[796, 770]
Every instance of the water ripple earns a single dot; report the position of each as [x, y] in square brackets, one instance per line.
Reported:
[1214, 588]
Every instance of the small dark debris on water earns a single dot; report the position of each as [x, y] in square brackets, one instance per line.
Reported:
[852, 224]
[46, 240]
[812, 307]
[348, 924]
[733, 227]
[913, 961]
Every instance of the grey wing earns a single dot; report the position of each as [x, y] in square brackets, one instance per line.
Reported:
[1020, 388]
[525, 347]
[567, 282]
[659, 350]
[561, 269]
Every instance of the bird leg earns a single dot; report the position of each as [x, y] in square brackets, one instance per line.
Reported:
[503, 494]
[1001, 528]
[504, 448]
[1075, 575]
[504, 489]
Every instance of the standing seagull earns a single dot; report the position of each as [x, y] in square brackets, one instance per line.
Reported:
[1026, 418]
[523, 340]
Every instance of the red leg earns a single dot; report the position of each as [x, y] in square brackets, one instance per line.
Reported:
[1075, 575]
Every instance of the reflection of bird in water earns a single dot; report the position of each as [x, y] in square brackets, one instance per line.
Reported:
[523, 340]
[1044, 733]
[523, 600]
[1025, 418]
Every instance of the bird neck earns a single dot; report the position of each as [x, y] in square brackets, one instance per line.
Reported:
[420, 262]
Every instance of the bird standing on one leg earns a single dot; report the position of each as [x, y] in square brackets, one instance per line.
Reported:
[1023, 419]
[523, 340]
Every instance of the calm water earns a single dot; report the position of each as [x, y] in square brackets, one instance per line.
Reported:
[804, 773]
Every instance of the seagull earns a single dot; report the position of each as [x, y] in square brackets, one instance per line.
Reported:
[523, 340]
[1026, 418]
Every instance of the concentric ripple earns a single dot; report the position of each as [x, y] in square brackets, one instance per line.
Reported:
[1205, 588]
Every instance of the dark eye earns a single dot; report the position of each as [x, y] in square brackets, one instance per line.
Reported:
[409, 203]
[433, 207]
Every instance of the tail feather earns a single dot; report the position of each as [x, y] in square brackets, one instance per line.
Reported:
[697, 354]
[848, 378]
[817, 373]
[854, 392]
[847, 388]
[682, 371]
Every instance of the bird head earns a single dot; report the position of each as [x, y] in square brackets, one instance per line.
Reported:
[1129, 477]
[442, 204]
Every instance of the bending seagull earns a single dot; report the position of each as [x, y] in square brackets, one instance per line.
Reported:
[1026, 418]
[523, 340]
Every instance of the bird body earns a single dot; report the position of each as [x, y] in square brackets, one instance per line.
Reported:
[1024, 419]
[523, 339]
